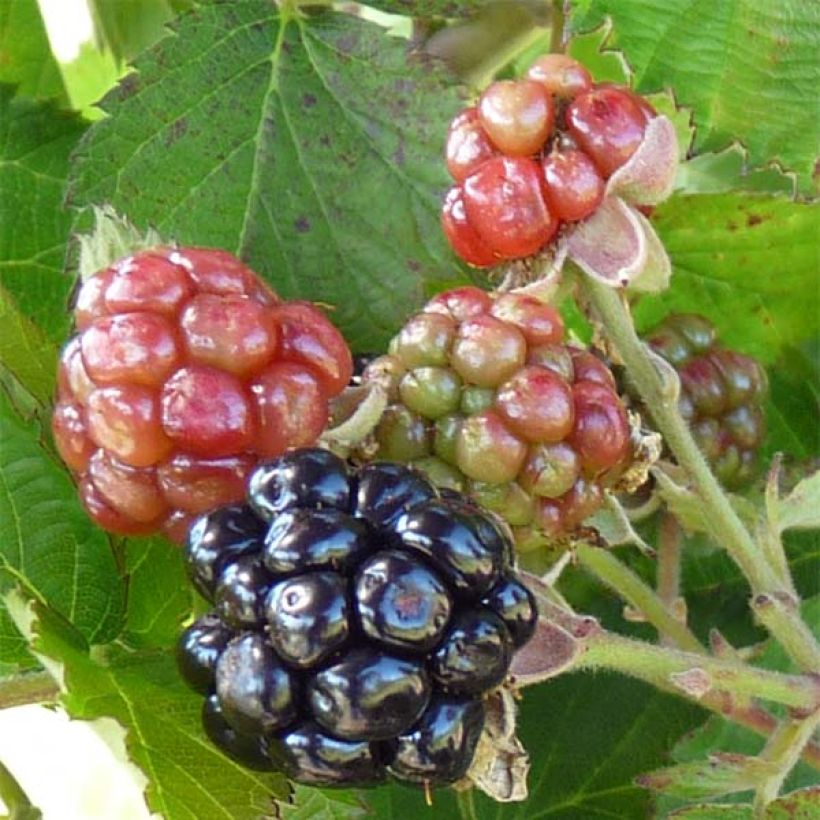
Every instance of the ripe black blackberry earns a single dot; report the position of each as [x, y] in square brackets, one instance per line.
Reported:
[360, 617]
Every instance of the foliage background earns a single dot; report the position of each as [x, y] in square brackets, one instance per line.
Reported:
[311, 146]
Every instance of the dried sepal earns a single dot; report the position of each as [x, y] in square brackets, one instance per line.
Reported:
[501, 763]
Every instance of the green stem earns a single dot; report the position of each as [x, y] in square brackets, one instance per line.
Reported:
[557, 27]
[778, 613]
[15, 799]
[726, 525]
[638, 594]
[466, 805]
[783, 749]
[27, 687]
[669, 561]
[695, 675]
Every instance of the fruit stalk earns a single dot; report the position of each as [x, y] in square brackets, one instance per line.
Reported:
[783, 751]
[669, 562]
[557, 27]
[695, 675]
[639, 595]
[28, 687]
[783, 622]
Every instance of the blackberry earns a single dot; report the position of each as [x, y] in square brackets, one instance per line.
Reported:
[722, 394]
[187, 371]
[488, 399]
[360, 617]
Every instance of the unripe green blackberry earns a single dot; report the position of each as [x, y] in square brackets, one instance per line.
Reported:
[486, 397]
[722, 394]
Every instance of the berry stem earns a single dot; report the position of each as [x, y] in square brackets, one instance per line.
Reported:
[13, 797]
[557, 27]
[669, 566]
[695, 675]
[466, 805]
[638, 595]
[27, 687]
[782, 621]
[783, 750]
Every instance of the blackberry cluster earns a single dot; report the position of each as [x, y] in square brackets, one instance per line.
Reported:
[186, 370]
[534, 154]
[722, 394]
[360, 615]
[487, 399]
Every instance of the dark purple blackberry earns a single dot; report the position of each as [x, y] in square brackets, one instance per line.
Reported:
[199, 649]
[308, 617]
[369, 695]
[245, 749]
[309, 755]
[255, 690]
[309, 478]
[360, 618]
[475, 654]
[216, 537]
[401, 603]
[240, 591]
[516, 606]
[442, 744]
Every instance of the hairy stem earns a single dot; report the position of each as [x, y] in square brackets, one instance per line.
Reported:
[783, 750]
[638, 595]
[695, 675]
[27, 687]
[727, 527]
[669, 560]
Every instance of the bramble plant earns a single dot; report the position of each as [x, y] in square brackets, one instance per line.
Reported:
[552, 550]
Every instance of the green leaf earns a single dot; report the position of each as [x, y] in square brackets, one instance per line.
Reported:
[309, 146]
[429, 8]
[35, 141]
[748, 69]
[792, 405]
[159, 595]
[756, 254]
[588, 736]
[125, 29]
[718, 735]
[15, 799]
[25, 53]
[14, 654]
[188, 778]
[25, 352]
[799, 805]
[313, 804]
[88, 77]
[800, 509]
[718, 775]
[47, 542]
[717, 173]
[713, 811]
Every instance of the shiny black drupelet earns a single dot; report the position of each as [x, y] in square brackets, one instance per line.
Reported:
[360, 617]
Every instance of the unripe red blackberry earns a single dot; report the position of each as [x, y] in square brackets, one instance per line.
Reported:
[534, 155]
[186, 370]
[485, 396]
[722, 394]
